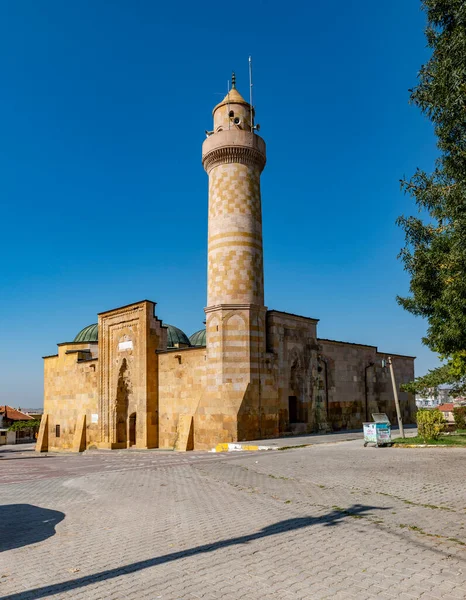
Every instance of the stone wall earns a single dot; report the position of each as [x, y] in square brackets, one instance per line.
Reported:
[245, 385]
[128, 385]
[229, 388]
[358, 385]
[292, 339]
[70, 393]
[325, 385]
[182, 379]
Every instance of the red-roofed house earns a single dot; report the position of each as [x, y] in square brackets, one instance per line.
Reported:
[8, 416]
[447, 411]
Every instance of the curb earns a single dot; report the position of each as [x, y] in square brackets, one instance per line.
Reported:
[426, 446]
[231, 447]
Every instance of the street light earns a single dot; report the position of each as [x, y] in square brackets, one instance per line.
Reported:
[395, 393]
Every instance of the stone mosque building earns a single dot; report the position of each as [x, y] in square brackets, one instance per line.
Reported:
[252, 373]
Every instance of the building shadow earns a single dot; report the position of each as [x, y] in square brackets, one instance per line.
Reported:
[24, 524]
[331, 519]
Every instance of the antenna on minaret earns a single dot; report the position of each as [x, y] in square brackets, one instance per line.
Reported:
[250, 94]
[228, 95]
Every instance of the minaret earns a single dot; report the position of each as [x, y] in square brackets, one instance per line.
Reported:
[233, 156]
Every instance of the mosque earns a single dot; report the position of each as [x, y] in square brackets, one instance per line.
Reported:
[130, 380]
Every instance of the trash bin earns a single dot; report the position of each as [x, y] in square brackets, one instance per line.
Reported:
[379, 432]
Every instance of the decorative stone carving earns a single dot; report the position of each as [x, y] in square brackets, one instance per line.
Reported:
[234, 154]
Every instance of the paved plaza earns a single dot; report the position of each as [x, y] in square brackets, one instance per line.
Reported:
[333, 520]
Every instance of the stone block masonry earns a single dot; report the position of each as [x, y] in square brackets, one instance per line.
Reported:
[261, 374]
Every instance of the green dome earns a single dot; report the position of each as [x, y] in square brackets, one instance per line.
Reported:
[88, 334]
[176, 336]
[198, 338]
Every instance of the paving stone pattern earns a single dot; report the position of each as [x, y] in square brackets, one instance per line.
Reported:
[331, 520]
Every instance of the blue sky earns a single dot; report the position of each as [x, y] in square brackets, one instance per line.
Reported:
[104, 105]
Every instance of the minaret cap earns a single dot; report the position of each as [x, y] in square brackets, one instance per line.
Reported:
[233, 97]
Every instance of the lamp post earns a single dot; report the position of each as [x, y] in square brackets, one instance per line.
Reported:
[395, 393]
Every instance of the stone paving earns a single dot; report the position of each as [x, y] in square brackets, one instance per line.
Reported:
[327, 521]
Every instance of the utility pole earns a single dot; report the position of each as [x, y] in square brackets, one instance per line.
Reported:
[397, 402]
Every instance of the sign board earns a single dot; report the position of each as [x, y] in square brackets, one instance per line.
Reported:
[94, 418]
[125, 345]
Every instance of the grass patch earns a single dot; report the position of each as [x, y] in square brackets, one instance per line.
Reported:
[457, 541]
[444, 440]
[432, 535]
[432, 506]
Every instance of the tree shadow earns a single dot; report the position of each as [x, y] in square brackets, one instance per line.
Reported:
[24, 524]
[330, 519]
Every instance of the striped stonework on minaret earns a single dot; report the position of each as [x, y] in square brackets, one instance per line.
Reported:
[233, 156]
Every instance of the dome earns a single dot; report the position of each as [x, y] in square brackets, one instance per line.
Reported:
[233, 97]
[198, 338]
[176, 338]
[88, 334]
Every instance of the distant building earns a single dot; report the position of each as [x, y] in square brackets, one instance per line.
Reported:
[447, 411]
[8, 416]
[36, 413]
[433, 398]
[459, 401]
[427, 402]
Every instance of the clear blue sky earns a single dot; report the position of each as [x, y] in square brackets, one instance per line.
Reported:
[104, 104]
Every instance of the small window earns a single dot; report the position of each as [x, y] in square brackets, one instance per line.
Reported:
[57, 430]
[231, 114]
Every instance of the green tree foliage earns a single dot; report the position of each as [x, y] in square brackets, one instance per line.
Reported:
[452, 373]
[459, 414]
[19, 425]
[435, 250]
[430, 423]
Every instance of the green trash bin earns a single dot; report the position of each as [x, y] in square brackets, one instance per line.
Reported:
[379, 432]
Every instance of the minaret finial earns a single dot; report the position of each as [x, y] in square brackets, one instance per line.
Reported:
[233, 81]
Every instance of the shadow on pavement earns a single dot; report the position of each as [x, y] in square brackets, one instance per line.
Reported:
[24, 524]
[331, 519]
[28, 457]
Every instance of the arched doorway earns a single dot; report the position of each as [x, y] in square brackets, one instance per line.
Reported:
[132, 429]
[121, 405]
[296, 406]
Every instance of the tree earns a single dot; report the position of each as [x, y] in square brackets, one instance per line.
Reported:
[452, 373]
[459, 414]
[33, 424]
[435, 250]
